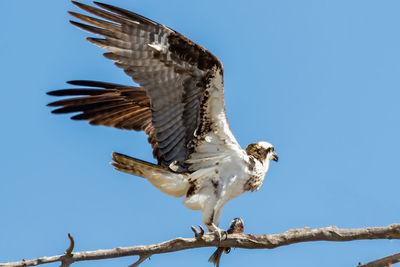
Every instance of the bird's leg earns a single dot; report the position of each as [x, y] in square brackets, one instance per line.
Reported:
[220, 233]
[211, 217]
[208, 220]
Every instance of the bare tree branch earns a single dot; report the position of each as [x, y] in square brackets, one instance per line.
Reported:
[67, 259]
[141, 259]
[382, 262]
[246, 241]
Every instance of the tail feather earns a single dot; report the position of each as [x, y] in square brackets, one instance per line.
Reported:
[216, 256]
[174, 184]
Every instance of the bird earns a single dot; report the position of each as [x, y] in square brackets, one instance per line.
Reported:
[235, 227]
[179, 104]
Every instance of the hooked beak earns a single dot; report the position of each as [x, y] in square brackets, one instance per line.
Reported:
[274, 157]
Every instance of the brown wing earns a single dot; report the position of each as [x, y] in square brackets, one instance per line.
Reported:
[109, 104]
[173, 70]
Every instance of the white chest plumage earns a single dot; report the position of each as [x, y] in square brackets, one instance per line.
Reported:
[223, 173]
[221, 169]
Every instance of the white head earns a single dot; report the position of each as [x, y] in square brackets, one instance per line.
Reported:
[262, 151]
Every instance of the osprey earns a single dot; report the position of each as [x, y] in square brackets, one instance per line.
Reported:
[179, 105]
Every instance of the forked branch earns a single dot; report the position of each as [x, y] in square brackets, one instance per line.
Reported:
[246, 241]
[382, 262]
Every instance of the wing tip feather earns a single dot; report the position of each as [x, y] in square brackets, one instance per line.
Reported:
[79, 4]
[82, 82]
[77, 24]
[52, 93]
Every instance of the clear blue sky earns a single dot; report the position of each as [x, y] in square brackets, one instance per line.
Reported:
[318, 79]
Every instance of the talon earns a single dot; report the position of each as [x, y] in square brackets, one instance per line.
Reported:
[212, 228]
[197, 234]
[218, 234]
[201, 230]
[224, 233]
[195, 231]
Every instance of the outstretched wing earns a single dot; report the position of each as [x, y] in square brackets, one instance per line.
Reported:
[182, 80]
[109, 104]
